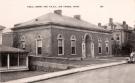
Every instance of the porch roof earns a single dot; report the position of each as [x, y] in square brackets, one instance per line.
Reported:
[7, 49]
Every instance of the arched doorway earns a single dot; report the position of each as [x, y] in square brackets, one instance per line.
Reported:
[86, 46]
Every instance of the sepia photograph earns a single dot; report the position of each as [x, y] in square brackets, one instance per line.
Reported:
[67, 41]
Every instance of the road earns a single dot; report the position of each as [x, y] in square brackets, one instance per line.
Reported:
[124, 73]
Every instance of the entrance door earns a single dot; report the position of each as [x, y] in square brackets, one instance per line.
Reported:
[87, 46]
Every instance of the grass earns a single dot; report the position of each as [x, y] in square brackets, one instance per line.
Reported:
[7, 76]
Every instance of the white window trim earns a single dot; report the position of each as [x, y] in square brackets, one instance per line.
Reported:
[108, 49]
[23, 40]
[75, 47]
[99, 45]
[107, 45]
[99, 40]
[62, 38]
[62, 47]
[23, 44]
[73, 38]
[37, 39]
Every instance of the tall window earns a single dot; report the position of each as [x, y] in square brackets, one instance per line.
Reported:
[39, 45]
[73, 44]
[23, 44]
[60, 44]
[117, 37]
[107, 45]
[99, 46]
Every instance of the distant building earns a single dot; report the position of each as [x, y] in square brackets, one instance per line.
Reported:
[121, 33]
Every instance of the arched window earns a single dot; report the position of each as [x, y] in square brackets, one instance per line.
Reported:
[60, 39]
[117, 37]
[23, 44]
[107, 45]
[99, 46]
[73, 44]
[39, 44]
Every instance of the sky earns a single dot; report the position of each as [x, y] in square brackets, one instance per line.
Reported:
[93, 11]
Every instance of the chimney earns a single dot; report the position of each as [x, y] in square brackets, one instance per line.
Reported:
[111, 23]
[59, 12]
[125, 26]
[124, 22]
[77, 17]
[99, 25]
[110, 20]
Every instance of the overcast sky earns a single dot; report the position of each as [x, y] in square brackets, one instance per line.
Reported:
[94, 11]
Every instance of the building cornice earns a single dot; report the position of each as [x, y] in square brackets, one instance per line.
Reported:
[68, 26]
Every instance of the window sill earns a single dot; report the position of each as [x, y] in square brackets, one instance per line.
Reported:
[73, 54]
[60, 54]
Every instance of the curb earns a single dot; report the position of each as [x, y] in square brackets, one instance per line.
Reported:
[65, 72]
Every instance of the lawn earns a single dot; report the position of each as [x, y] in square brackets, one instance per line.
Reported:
[7, 76]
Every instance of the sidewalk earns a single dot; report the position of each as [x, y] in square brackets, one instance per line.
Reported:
[84, 66]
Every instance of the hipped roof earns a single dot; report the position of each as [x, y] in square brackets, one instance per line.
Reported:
[119, 26]
[7, 49]
[52, 18]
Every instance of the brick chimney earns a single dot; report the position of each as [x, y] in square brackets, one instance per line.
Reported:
[124, 22]
[111, 23]
[78, 17]
[125, 26]
[99, 25]
[59, 12]
[110, 20]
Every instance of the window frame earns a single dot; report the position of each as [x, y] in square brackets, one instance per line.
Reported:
[39, 39]
[107, 45]
[99, 45]
[23, 43]
[73, 40]
[60, 37]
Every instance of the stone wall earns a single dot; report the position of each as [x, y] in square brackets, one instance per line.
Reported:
[47, 64]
